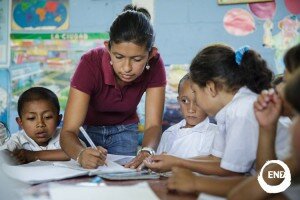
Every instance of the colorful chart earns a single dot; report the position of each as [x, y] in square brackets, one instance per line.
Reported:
[239, 22]
[293, 6]
[263, 10]
[43, 14]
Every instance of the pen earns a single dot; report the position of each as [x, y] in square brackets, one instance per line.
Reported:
[87, 137]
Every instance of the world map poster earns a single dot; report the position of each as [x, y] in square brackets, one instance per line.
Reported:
[40, 14]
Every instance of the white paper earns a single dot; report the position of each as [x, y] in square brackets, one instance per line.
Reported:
[205, 196]
[120, 159]
[138, 192]
[40, 171]
[111, 167]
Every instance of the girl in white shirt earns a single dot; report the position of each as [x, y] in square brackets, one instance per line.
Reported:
[226, 84]
[193, 136]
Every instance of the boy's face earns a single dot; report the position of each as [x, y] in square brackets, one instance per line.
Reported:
[39, 120]
[192, 113]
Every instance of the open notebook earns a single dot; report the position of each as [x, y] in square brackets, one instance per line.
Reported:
[44, 171]
[112, 167]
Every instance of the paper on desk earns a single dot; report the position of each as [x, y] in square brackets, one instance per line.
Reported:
[205, 196]
[111, 167]
[120, 159]
[138, 191]
[40, 171]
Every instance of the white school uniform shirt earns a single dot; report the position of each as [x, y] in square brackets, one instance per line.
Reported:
[188, 142]
[20, 140]
[237, 140]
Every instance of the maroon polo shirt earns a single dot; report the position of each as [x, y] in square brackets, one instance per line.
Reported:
[110, 105]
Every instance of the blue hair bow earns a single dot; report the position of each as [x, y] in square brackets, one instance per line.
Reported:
[239, 54]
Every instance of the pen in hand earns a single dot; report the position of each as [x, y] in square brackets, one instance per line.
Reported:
[87, 137]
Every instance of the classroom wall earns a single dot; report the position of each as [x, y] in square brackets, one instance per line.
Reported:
[184, 27]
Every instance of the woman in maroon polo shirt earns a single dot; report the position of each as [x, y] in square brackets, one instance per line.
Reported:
[106, 89]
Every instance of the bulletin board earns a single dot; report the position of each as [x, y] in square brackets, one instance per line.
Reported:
[4, 33]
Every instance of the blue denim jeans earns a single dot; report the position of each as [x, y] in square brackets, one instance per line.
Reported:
[118, 139]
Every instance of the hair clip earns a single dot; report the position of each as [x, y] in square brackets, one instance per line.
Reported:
[239, 54]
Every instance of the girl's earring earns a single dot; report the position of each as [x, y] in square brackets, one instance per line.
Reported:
[147, 66]
[110, 62]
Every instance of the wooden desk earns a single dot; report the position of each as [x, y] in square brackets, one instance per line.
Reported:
[159, 186]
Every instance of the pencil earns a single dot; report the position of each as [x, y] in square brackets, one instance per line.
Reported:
[90, 141]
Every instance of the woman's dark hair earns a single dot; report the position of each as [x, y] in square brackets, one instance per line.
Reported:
[132, 25]
[292, 91]
[292, 58]
[217, 63]
[35, 94]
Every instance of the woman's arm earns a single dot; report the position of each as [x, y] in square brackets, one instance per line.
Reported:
[155, 98]
[75, 114]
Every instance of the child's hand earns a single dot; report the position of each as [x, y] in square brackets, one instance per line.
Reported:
[23, 156]
[182, 180]
[161, 163]
[91, 158]
[267, 108]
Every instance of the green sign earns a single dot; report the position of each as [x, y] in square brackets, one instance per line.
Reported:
[59, 36]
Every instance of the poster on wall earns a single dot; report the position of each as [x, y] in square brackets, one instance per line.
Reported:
[40, 15]
[46, 60]
[4, 33]
[240, 1]
[4, 100]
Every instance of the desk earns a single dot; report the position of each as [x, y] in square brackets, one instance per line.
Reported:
[159, 186]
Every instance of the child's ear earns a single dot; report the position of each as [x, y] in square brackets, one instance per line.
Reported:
[153, 52]
[211, 88]
[19, 121]
[59, 119]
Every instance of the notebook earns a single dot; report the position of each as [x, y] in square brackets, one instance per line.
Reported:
[44, 171]
[112, 167]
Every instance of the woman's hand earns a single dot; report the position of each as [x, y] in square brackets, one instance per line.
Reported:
[182, 180]
[91, 158]
[161, 163]
[137, 162]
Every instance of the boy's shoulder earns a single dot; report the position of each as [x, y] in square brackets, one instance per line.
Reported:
[175, 126]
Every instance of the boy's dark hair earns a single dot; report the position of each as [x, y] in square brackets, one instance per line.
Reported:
[132, 25]
[182, 80]
[292, 91]
[35, 94]
[292, 58]
[217, 63]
